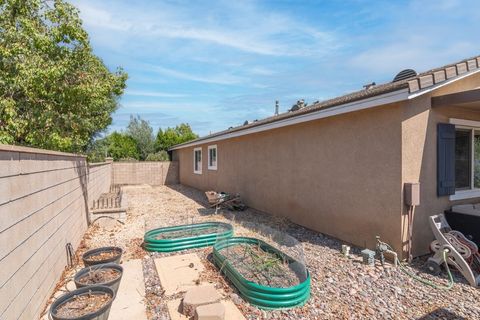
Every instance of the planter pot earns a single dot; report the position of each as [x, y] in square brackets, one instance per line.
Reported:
[100, 314]
[87, 256]
[114, 284]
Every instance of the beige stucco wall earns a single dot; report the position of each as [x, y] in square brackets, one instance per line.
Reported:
[419, 154]
[43, 206]
[145, 172]
[339, 175]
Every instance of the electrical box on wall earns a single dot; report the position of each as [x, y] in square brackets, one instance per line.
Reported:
[412, 193]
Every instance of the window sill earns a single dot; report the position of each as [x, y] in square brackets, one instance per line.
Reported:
[197, 172]
[212, 168]
[465, 194]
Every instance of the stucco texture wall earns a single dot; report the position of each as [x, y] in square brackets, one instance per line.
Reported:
[44, 198]
[339, 175]
[419, 155]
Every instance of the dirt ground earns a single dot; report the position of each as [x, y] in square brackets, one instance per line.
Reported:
[342, 288]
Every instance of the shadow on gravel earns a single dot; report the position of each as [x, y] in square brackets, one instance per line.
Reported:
[441, 313]
[250, 217]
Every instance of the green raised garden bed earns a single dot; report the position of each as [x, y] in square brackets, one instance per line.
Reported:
[188, 236]
[264, 276]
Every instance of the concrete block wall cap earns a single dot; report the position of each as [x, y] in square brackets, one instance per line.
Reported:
[214, 311]
[12, 148]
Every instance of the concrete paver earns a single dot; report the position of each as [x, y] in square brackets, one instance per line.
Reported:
[176, 274]
[199, 296]
[231, 310]
[214, 311]
[129, 302]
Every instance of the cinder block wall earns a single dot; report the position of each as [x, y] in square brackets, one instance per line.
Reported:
[44, 198]
[153, 173]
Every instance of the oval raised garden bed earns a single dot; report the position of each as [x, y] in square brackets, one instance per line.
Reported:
[264, 276]
[188, 236]
[107, 274]
[87, 303]
[102, 255]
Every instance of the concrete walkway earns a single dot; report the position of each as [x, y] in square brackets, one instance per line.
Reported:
[181, 273]
[129, 302]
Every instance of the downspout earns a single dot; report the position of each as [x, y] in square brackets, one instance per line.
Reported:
[412, 199]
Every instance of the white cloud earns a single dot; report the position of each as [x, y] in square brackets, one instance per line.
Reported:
[245, 28]
[153, 94]
[225, 79]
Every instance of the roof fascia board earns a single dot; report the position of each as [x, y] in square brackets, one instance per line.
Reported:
[441, 84]
[386, 98]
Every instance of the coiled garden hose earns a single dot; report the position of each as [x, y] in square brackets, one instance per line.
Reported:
[426, 281]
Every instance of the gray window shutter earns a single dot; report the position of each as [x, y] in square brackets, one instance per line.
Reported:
[445, 159]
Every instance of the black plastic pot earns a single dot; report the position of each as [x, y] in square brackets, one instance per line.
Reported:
[101, 314]
[114, 284]
[468, 224]
[115, 259]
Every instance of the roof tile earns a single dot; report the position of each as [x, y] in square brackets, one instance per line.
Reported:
[472, 64]
[426, 81]
[461, 68]
[413, 85]
[439, 76]
[451, 72]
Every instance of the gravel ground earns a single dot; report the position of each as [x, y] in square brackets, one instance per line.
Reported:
[342, 288]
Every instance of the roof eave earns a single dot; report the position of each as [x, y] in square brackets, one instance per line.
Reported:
[382, 99]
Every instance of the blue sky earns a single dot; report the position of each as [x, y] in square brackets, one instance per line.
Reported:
[215, 64]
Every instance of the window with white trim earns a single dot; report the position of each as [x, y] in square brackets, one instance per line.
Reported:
[467, 158]
[197, 160]
[212, 157]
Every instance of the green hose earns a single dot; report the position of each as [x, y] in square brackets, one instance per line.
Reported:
[425, 281]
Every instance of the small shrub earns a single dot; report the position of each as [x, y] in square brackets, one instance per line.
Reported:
[159, 156]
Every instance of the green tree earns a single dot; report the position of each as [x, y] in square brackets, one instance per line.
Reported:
[161, 155]
[172, 136]
[54, 92]
[141, 131]
[122, 146]
[116, 145]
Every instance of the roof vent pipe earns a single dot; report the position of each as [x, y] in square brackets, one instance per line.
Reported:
[369, 85]
[276, 107]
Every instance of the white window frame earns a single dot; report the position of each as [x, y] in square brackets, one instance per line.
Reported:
[213, 167]
[195, 160]
[473, 192]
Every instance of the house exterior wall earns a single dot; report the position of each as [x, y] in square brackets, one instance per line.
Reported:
[43, 206]
[343, 175]
[339, 175]
[419, 155]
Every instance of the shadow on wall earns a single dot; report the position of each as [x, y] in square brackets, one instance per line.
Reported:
[441, 313]
[171, 174]
[82, 169]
